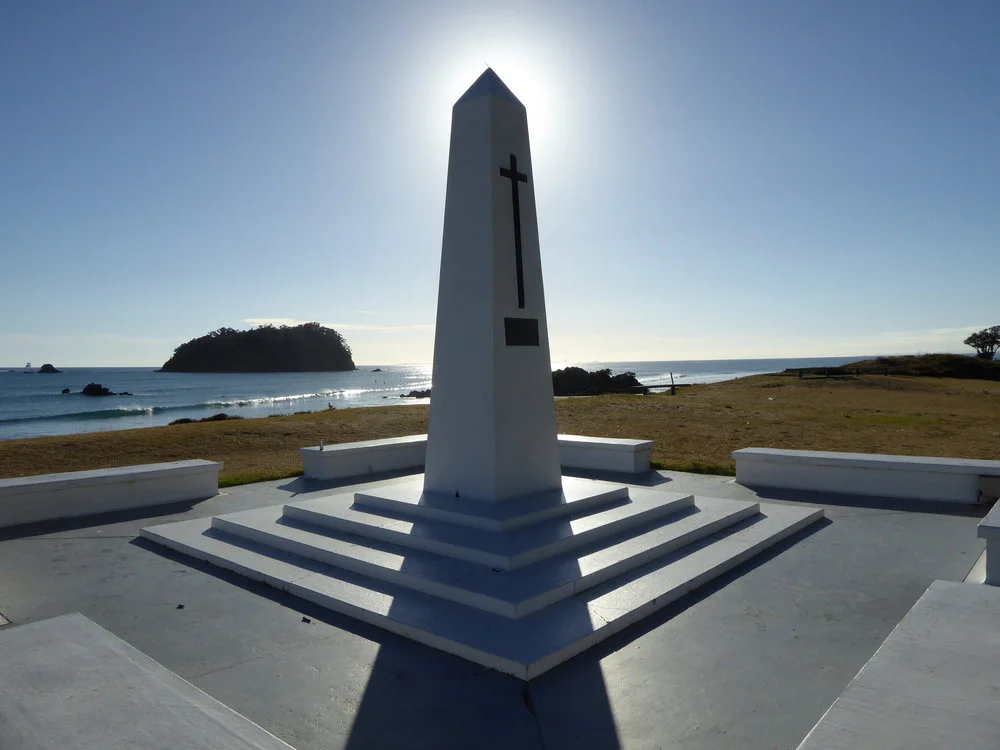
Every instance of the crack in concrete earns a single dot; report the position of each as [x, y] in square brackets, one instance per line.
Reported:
[258, 655]
[604, 619]
[529, 706]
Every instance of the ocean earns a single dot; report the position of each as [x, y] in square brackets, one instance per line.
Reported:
[33, 405]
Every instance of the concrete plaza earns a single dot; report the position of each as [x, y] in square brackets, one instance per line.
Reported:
[753, 659]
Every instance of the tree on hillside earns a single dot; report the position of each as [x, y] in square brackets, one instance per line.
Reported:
[985, 342]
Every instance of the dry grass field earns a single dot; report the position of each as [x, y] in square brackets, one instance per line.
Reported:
[696, 430]
[251, 449]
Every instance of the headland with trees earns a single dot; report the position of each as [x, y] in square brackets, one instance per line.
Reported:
[309, 347]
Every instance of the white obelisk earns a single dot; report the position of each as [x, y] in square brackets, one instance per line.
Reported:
[492, 432]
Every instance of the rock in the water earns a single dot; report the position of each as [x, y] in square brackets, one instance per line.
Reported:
[96, 389]
[416, 394]
[65, 391]
[575, 381]
[48, 369]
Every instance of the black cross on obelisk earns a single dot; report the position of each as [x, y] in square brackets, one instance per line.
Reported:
[515, 177]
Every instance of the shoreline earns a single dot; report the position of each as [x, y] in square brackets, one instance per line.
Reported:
[401, 400]
[33, 406]
[695, 430]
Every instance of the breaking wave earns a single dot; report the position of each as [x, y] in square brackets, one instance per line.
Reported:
[127, 411]
[143, 411]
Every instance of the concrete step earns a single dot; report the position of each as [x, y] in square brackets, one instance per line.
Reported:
[513, 593]
[409, 499]
[506, 550]
[525, 647]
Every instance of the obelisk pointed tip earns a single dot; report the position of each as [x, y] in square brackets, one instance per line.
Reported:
[488, 84]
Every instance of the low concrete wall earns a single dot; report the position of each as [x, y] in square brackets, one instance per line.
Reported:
[605, 454]
[363, 458]
[953, 480]
[81, 493]
[395, 454]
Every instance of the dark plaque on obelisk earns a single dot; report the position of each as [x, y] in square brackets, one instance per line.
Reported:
[521, 331]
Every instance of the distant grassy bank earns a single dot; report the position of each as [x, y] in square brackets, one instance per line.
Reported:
[696, 430]
[921, 365]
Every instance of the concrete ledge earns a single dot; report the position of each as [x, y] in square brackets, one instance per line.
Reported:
[605, 454]
[68, 683]
[953, 480]
[394, 454]
[932, 684]
[80, 493]
[364, 458]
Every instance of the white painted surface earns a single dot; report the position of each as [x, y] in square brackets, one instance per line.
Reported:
[505, 550]
[79, 493]
[364, 458]
[492, 429]
[515, 594]
[932, 684]
[566, 612]
[409, 498]
[953, 480]
[977, 574]
[68, 683]
[393, 454]
[605, 454]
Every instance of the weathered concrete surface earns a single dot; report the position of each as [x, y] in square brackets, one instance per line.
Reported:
[932, 684]
[69, 683]
[753, 660]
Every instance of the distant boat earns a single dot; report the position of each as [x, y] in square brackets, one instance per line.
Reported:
[27, 364]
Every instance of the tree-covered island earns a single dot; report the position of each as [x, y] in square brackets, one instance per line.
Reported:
[305, 348]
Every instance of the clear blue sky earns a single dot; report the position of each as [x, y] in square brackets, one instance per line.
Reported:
[714, 178]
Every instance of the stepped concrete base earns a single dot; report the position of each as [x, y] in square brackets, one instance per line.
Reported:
[932, 684]
[68, 683]
[519, 586]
